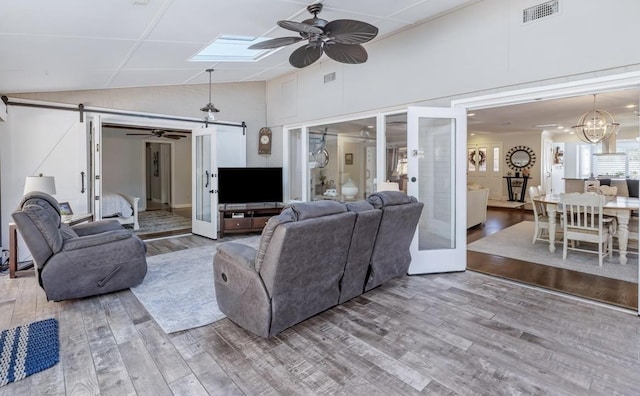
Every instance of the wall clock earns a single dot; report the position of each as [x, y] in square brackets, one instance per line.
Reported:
[264, 143]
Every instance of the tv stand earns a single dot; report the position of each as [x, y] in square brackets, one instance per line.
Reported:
[244, 218]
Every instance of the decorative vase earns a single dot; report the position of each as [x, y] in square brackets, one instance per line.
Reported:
[349, 189]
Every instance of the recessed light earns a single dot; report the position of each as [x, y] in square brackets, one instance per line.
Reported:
[567, 130]
[560, 127]
[631, 106]
[471, 114]
[546, 125]
[472, 134]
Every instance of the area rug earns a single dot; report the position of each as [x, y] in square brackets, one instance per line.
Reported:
[28, 349]
[152, 221]
[515, 242]
[495, 203]
[178, 290]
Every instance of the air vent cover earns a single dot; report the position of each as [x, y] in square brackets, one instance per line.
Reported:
[539, 11]
[329, 77]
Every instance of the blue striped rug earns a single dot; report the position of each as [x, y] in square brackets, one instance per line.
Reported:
[25, 350]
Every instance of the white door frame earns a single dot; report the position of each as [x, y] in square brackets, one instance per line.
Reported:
[554, 91]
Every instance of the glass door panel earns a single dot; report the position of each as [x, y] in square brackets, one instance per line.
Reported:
[204, 183]
[436, 139]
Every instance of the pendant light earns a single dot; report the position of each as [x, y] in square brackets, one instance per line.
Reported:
[595, 126]
[210, 108]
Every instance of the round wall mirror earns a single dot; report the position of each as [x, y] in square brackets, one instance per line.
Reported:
[521, 157]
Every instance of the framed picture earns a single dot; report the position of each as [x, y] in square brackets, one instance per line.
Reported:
[348, 159]
[65, 208]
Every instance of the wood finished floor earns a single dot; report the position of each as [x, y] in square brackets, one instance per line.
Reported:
[463, 333]
[611, 291]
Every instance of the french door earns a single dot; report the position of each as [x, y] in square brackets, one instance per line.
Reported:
[204, 183]
[436, 146]
[95, 179]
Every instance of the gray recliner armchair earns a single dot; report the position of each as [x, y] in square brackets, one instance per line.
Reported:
[79, 261]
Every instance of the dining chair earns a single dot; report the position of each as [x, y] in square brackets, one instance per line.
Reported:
[592, 186]
[540, 217]
[584, 221]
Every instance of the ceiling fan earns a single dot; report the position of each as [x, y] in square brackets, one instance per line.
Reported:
[340, 39]
[160, 133]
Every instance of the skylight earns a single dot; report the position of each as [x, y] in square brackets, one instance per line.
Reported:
[228, 48]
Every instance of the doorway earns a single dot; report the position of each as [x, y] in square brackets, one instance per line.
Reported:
[158, 176]
[546, 116]
[146, 162]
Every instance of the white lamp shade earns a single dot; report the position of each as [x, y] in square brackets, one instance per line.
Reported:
[45, 184]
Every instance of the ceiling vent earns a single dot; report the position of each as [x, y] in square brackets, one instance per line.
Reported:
[540, 11]
[329, 77]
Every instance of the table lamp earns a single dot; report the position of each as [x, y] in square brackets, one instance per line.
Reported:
[45, 184]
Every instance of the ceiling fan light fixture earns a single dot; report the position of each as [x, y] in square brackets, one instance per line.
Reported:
[595, 125]
[210, 108]
[340, 39]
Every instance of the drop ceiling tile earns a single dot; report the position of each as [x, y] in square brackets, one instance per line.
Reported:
[25, 81]
[61, 53]
[110, 19]
[164, 55]
[206, 21]
[141, 78]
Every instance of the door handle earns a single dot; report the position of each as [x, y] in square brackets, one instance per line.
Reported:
[206, 178]
[82, 190]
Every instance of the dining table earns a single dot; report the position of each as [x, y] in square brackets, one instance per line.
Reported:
[620, 207]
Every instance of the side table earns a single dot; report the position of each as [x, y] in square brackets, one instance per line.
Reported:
[13, 241]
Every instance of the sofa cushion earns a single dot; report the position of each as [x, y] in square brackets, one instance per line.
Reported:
[389, 198]
[359, 206]
[47, 220]
[309, 210]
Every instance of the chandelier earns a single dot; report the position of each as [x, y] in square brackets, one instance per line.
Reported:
[595, 126]
[209, 108]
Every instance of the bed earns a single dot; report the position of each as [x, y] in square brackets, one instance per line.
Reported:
[122, 207]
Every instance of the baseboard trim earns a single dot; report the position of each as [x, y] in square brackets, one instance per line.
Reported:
[180, 206]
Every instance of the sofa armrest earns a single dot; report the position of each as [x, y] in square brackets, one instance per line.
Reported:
[83, 242]
[240, 292]
[96, 227]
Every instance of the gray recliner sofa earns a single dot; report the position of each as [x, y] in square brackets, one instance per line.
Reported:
[311, 257]
[79, 261]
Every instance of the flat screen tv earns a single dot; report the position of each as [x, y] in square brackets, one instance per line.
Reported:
[249, 185]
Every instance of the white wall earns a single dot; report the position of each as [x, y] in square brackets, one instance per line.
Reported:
[237, 102]
[480, 49]
[122, 165]
[510, 140]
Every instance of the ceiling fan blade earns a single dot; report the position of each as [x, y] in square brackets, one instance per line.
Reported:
[139, 134]
[300, 27]
[346, 53]
[275, 43]
[305, 55]
[348, 31]
[173, 136]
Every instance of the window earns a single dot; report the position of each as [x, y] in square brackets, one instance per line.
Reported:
[496, 159]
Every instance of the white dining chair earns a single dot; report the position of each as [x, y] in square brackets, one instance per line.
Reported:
[540, 217]
[584, 221]
[592, 186]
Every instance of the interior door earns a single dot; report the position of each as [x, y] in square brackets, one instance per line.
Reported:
[204, 183]
[95, 180]
[437, 146]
